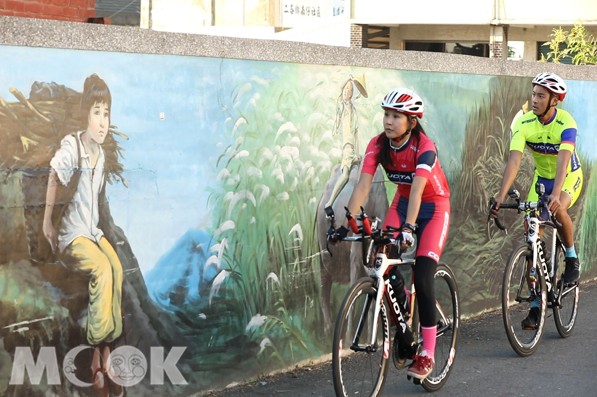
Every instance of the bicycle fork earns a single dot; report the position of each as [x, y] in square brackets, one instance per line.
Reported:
[383, 286]
[371, 346]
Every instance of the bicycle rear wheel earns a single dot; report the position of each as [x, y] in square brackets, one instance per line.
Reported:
[448, 325]
[516, 303]
[360, 367]
[564, 314]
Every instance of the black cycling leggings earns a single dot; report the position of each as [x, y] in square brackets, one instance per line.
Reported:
[423, 271]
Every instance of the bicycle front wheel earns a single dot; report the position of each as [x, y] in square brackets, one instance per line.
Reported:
[360, 354]
[523, 334]
[448, 324]
[565, 313]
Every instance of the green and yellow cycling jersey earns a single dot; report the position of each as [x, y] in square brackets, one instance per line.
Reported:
[546, 140]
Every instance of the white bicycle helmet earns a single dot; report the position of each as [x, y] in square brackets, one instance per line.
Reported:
[553, 83]
[405, 101]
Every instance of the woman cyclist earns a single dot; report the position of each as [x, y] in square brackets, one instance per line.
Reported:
[421, 205]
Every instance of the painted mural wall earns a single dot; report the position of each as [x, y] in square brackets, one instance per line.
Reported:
[215, 174]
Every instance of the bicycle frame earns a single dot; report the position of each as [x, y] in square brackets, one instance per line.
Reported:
[377, 270]
[521, 289]
[534, 234]
[534, 230]
[533, 225]
[377, 266]
[372, 309]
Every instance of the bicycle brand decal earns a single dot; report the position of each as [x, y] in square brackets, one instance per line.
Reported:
[395, 305]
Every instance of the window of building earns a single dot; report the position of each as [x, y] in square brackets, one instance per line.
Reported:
[461, 47]
[515, 50]
[425, 46]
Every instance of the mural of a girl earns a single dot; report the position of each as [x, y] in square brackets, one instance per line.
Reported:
[78, 240]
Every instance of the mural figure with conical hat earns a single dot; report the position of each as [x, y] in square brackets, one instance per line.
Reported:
[342, 263]
[347, 125]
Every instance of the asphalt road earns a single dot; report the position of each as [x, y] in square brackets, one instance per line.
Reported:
[485, 364]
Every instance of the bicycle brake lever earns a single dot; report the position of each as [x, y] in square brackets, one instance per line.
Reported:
[496, 220]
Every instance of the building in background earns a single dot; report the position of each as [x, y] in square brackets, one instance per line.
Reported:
[119, 12]
[494, 28]
[487, 28]
[63, 10]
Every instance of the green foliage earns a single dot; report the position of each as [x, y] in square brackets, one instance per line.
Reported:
[475, 252]
[588, 218]
[477, 259]
[265, 303]
[577, 45]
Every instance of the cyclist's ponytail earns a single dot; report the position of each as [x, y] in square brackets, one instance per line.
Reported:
[417, 131]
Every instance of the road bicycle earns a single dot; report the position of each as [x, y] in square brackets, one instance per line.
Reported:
[531, 277]
[371, 313]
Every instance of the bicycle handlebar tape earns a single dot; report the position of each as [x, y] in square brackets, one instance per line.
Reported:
[353, 225]
[492, 204]
[366, 225]
[352, 222]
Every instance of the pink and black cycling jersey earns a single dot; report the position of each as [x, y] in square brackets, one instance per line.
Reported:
[412, 159]
[417, 157]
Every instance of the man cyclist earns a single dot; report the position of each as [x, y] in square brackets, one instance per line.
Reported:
[421, 205]
[550, 134]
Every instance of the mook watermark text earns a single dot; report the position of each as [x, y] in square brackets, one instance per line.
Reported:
[126, 366]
